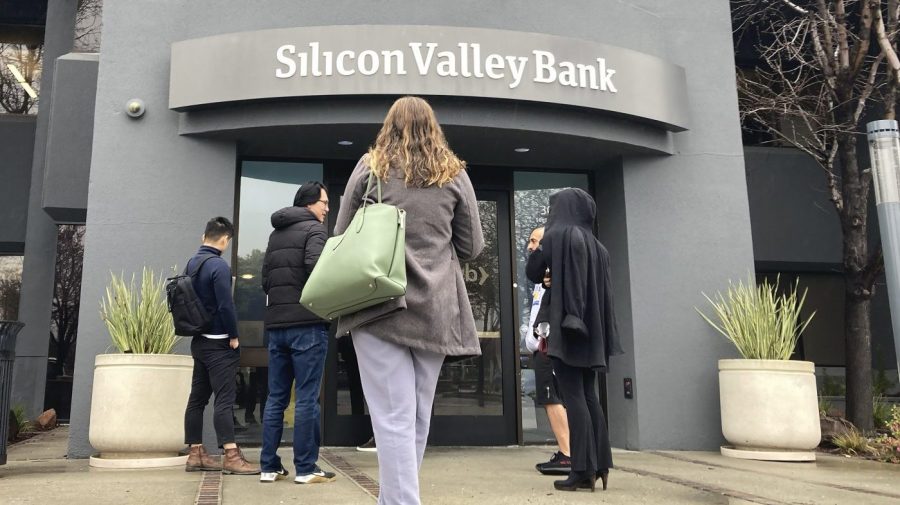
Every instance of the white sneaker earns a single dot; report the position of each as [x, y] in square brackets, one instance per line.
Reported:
[273, 476]
[369, 446]
[317, 475]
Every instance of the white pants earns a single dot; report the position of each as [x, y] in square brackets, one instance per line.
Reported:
[399, 384]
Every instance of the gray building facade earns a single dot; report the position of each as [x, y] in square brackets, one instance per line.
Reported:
[669, 179]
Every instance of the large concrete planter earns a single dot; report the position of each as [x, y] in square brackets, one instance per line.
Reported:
[769, 409]
[137, 409]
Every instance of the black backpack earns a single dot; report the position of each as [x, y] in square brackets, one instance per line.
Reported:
[188, 313]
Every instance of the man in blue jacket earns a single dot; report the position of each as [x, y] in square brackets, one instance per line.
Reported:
[216, 355]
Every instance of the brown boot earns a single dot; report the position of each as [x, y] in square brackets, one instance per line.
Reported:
[234, 463]
[200, 461]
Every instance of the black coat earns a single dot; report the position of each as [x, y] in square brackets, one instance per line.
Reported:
[583, 330]
[294, 248]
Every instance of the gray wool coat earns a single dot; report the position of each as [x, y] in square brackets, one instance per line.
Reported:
[442, 227]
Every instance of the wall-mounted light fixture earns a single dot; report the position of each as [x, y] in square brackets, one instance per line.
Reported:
[135, 108]
[522, 149]
[21, 79]
[345, 142]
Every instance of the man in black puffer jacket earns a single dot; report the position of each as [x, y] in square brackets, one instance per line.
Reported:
[297, 339]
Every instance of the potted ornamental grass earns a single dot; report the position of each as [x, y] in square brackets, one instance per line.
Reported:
[140, 391]
[769, 405]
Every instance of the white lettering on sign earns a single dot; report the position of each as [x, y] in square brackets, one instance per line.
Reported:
[466, 60]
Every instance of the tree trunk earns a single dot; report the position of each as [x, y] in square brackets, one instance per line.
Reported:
[857, 287]
[858, 349]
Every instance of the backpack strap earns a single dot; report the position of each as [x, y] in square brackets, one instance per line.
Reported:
[197, 271]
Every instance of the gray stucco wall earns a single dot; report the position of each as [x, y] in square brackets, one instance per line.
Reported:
[68, 163]
[16, 149]
[688, 232]
[686, 215]
[613, 232]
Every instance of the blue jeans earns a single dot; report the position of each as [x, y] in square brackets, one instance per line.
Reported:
[296, 354]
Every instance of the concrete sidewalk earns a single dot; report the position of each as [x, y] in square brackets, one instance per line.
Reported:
[38, 473]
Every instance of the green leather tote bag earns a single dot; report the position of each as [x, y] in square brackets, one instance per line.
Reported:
[363, 267]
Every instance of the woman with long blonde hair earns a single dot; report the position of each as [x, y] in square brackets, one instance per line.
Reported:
[402, 344]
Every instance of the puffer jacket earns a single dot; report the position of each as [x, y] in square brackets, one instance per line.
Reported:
[294, 248]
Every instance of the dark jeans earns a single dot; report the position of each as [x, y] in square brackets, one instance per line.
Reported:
[588, 436]
[296, 354]
[215, 364]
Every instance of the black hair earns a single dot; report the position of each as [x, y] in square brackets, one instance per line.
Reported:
[308, 193]
[217, 228]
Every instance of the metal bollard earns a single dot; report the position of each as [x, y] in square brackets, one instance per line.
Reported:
[8, 332]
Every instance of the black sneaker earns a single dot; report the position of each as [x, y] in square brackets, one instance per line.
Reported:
[559, 464]
[316, 476]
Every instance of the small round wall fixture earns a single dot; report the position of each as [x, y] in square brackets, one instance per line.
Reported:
[135, 108]
[522, 149]
[345, 142]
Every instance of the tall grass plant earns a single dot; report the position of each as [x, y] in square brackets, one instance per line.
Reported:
[137, 317]
[759, 321]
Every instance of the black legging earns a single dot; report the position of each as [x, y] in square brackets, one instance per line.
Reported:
[588, 436]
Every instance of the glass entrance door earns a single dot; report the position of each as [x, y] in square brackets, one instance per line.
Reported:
[475, 402]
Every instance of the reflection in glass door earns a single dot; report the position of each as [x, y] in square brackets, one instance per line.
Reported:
[265, 187]
[475, 387]
[475, 398]
[531, 197]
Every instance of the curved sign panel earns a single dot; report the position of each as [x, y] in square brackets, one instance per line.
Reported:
[427, 60]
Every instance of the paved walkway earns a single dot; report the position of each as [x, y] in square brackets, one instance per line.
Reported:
[38, 473]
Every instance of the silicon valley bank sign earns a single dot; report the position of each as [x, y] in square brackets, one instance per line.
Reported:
[426, 60]
[465, 60]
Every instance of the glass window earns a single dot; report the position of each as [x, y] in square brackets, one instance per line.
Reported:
[531, 199]
[88, 22]
[64, 320]
[266, 186]
[66, 300]
[475, 387]
[20, 77]
[10, 286]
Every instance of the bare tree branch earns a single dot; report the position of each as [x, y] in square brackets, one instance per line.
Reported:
[885, 44]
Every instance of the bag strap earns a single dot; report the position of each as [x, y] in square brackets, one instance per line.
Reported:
[369, 188]
[197, 271]
[365, 198]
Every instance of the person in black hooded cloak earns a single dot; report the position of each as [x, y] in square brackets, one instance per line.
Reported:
[583, 331]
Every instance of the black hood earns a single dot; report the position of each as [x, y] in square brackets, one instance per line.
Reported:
[571, 207]
[291, 215]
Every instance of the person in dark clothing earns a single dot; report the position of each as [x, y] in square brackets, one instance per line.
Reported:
[296, 338]
[216, 355]
[583, 332]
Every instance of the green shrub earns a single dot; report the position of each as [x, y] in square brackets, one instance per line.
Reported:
[138, 319]
[881, 412]
[881, 385]
[22, 422]
[824, 406]
[761, 323]
[887, 447]
[832, 386]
